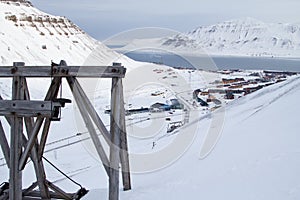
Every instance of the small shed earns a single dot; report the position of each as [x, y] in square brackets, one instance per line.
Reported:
[175, 104]
[202, 102]
[229, 95]
[159, 107]
[196, 93]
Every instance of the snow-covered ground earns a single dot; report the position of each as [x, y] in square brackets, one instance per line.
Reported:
[256, 157]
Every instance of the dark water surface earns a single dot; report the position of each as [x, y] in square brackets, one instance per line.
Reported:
[218, 62]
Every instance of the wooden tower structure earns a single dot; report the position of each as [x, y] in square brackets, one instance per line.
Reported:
[30, 121]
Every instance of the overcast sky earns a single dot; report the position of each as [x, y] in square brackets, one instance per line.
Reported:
[105, 18]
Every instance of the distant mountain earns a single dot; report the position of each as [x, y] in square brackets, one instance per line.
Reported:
[30, 35]
[241, 37]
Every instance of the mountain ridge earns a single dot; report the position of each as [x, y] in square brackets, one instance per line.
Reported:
[246, 36]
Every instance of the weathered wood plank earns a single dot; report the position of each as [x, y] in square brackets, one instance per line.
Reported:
[91, 110]
[53, 89]
[89, 124]
[31, 141]
[35, 195]
[37, 163]
[40, 174]
[51, 94]
[63, 71]
[30, 188]
[4, 145]
[61, 193]
[115, 131]
[25, 108]
[44, 137]
[15, 180]
[124, 146]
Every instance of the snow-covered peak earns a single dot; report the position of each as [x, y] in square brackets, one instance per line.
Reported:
[34, 37]
[246, 36]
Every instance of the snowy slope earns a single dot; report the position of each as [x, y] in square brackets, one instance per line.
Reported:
[36, 38]
[257, 156]
[246, 36]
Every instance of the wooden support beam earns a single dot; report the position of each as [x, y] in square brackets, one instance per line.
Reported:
[4, 145]
[30, 188]
[44, 137]
[91, 110]
[51, 94]
[9, 121]
[62, 194]
[31, 141]
[24, 108]
[35, 195]
[89, 124]
[53, 89]
[115, 132]
[26, 90]
[37, 163]
[124, 146]
[63, 71]
[15, 180]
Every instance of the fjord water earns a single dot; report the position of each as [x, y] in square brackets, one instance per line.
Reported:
[218, 62]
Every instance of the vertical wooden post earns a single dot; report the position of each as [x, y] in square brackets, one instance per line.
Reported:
[15, 190]
[124, 146]
[15, 180]
[115, 132]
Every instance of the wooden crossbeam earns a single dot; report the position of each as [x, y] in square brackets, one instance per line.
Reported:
[63, 71]
[25, 108]
[61, 193]
[30, 188]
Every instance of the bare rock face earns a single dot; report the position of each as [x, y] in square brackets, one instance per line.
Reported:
[17, 2]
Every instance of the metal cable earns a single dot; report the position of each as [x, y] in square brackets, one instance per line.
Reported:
[64, 174]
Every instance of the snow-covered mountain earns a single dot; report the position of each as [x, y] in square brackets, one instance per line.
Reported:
[241, 37]
[34, 37]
